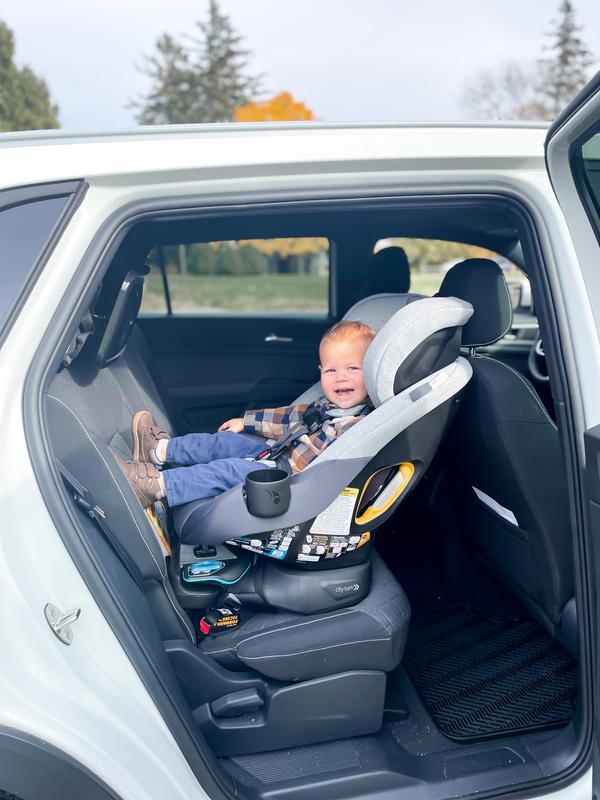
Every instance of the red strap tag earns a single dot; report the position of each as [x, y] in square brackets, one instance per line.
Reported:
[204, 627]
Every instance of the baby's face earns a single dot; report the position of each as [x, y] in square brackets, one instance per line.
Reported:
[342, 371]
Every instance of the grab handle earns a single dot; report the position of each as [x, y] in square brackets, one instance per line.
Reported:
[272, 337]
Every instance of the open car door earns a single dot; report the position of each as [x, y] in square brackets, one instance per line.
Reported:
[573, 163]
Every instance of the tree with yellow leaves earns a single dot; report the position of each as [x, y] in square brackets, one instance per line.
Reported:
[280, 108]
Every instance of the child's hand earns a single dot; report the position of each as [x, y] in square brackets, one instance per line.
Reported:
[235, 425]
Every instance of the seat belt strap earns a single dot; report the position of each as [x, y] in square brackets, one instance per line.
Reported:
[85, 500]
[312, 420]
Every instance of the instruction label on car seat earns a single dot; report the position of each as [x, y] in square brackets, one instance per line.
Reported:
[337, 517]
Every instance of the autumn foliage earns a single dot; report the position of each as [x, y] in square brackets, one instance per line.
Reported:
[280, 108]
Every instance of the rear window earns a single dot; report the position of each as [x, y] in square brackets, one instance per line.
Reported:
[430, 259]
[243, 276]
[27, 226]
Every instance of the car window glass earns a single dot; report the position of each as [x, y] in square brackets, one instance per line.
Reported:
[286, 275]
[430, 259]
[24, 230]
[590, 157]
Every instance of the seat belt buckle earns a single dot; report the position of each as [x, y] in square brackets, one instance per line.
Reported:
[262, 454]
[225, 617]
[218, 620]
[85, 499]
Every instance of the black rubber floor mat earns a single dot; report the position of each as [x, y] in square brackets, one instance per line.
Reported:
[299, 762]
[481, 679]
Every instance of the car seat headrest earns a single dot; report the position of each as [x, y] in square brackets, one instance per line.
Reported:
[422, 337]
[389, 271]
[122, 318]
[377, 309]
[480, 281]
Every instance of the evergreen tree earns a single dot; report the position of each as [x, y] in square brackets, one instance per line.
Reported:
[25, 103]
[173, 94]
[222, 64]
[564, 71]
[203, 82]
[517, 91]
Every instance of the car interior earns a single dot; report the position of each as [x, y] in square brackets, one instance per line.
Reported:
[408, 620]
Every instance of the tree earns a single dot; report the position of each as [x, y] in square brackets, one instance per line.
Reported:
[173, 95]
[564, 71]
[505, 94]
[201, 82]
[25, 103]
[512, 92]
[280, 108]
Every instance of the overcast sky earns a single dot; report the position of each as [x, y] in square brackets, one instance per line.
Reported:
[346, 59]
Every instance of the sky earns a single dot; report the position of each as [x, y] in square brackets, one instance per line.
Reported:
[347, 60]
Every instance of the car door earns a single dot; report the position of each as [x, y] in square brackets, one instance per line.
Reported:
[573, 163]
[238, 332]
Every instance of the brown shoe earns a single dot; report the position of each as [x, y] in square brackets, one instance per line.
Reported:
[143, 479]
[146, 435]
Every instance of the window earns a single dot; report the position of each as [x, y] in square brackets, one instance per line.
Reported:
[26, 227]
[430, 259]
[590, 157]
[289, 275]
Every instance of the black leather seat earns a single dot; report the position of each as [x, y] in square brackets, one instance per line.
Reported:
[389, 271]
[509, 467]
[293, 647]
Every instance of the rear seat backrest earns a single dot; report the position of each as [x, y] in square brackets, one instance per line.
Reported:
[89, 419]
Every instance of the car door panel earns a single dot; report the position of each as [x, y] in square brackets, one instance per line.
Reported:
[216, 367]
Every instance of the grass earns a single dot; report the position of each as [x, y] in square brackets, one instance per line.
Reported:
[252, 293]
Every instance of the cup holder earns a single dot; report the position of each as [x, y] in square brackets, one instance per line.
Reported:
[267, 492]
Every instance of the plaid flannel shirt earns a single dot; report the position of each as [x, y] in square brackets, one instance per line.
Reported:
[275, 423]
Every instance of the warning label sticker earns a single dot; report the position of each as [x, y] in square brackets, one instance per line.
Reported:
[337, 517]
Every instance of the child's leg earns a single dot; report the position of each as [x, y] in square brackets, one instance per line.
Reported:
[206, 480]
[201, 448]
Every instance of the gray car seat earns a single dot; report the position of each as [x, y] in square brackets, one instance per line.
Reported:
[412, 369]
[509, 467]
[324, 669]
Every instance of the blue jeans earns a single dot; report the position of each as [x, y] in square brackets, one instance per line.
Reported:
[214, 463]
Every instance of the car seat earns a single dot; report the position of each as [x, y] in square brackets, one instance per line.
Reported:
[324, 664]
[389, 271]
[413, 373]
[509, 469]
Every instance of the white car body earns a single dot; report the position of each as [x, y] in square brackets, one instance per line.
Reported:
[87, 700]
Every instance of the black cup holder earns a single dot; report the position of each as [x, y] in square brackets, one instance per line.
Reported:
[267, 492]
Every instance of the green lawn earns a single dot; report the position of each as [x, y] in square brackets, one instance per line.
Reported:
[252, 293]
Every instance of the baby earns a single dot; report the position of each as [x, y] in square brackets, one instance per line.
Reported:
[211, 463]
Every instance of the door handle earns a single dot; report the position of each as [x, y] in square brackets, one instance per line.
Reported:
[272, 337]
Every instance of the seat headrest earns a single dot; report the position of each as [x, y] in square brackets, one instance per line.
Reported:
[421, 338]
[377, 309]
[390, 271]
[122, 318]
[480, 281]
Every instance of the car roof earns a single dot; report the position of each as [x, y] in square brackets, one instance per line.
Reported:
[41, 156]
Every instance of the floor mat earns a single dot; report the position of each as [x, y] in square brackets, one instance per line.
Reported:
[480, 679]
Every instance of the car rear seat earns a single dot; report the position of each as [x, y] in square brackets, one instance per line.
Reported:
[89, 413]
